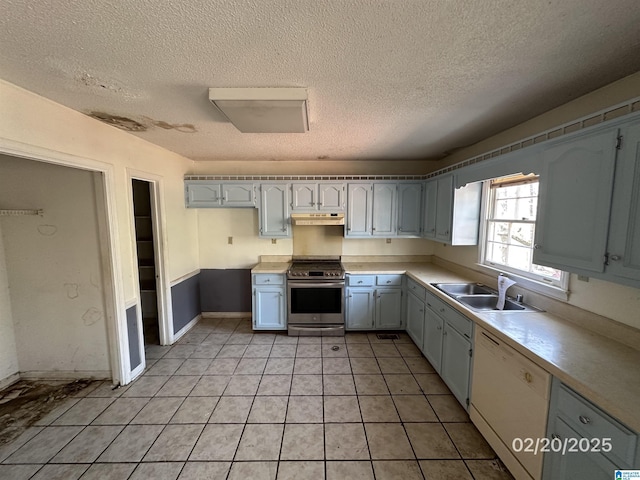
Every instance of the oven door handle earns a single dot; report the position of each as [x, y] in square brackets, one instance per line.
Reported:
[315, 284]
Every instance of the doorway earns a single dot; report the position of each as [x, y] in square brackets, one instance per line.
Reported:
[143, 213]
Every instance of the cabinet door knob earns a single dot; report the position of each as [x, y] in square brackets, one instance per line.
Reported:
[528, 377]
[438, 327]
[584, 420]
[555, 436]
[537, 246]
[615, 258]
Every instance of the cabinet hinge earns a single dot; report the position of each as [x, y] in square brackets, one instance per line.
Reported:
[619, 142]
[606, 258]
[467, 401]
[471, 352]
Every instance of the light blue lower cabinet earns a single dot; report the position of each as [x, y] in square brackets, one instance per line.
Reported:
[269, 309]
[388, 308]
[360, 308]
[415, 319]
[374, 302]
[433, 330]
[456, 363]
[585, 442]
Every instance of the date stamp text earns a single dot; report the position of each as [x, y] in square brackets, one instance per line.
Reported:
[561, 445]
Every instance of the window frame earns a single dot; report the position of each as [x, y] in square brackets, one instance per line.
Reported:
[537, 283]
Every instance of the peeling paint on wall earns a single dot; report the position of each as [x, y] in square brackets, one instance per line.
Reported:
[47, 230]
[72, 290]
[180, 127]
[141, 125]
[91, 316]
[123, 123]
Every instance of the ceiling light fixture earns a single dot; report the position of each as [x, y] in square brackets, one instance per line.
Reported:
[263, 110]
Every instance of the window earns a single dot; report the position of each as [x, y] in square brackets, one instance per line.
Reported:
[509, 230]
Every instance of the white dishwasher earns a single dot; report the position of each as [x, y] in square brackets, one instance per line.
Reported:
[509, 404]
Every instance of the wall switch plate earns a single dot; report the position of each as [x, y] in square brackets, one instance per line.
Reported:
[583, 278]
[274, 241]
[230, 241]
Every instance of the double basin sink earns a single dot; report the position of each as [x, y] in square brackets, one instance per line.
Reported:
[480, 297]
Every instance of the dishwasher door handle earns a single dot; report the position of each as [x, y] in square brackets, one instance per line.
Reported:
[490, 338]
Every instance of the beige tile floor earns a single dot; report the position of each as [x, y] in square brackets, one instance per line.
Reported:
[227, 403]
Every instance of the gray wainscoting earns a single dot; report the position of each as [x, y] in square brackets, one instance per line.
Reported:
[185, 301]
[134, 337]
[225, 290]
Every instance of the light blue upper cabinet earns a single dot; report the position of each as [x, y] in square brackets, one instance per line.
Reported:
[385, 197]
[207, 194]
[409, 209]
[202, 194]
[313, 197]
[238, 195]
[444, 202]
[331, 197]
[451, 215]
[429, 209]
[574, 202]
[359, 210]
[274, 210]
[624, 234]
[304, 197]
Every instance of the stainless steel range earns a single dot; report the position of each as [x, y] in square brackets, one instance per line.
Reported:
[315, 300]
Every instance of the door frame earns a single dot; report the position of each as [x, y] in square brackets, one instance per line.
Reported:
[163, 287]
[106, 202]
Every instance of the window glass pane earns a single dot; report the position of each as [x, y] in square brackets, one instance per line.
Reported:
[521, 234]
[510, 230]
[520, 258]
[497, 253]
[546, 271]
[499, 232]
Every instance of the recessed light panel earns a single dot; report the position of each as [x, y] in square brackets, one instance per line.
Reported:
[263, 110]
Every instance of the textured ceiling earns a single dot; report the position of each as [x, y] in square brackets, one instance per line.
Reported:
[403, 79]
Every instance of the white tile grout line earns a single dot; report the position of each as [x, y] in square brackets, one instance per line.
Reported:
[284, 423]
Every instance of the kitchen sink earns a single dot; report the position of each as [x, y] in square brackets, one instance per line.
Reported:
[455, 289]
[489, 302]
[481, 297]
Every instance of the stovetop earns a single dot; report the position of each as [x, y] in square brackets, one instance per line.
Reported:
[316, 268]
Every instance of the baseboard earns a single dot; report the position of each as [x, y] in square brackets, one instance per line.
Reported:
[181, 333]
[10, 380]
[66, 375]
[226, 314]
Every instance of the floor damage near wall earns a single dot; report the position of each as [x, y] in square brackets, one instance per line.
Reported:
[25, 402]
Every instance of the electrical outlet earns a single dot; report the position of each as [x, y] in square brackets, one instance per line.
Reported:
[388, 240]
[274, 241]
[230, 241]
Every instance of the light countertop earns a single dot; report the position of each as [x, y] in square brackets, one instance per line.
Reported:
[602, 370]
[271, 267]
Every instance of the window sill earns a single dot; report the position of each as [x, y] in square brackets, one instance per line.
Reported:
[552, 291]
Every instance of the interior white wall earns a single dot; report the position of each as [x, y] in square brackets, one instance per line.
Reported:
[40, 128]
[8, 352]
[215, 226]
[618, 302]
[54, 269]
[40, 125]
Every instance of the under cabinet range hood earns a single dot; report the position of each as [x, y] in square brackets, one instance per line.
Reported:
[317, 218]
